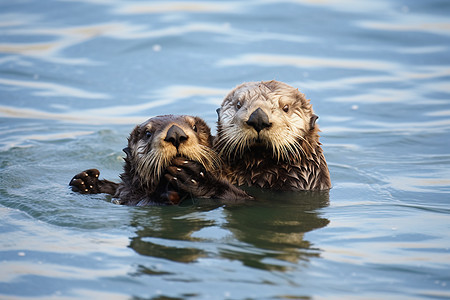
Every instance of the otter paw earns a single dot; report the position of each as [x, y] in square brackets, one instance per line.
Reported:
[189, 176]
[86, 182]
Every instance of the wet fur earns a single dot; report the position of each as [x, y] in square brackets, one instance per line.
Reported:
[148, 158]
[158, 172]
[285, 156]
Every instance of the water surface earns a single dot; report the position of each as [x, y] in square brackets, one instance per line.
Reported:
[76, 76]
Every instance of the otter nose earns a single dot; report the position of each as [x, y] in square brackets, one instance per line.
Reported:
[175, 135]
[259, 120]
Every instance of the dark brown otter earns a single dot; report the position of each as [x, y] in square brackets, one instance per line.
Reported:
[168, 158]
[267, 137]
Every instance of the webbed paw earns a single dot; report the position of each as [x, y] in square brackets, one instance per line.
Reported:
[191, 177]
[86, 182]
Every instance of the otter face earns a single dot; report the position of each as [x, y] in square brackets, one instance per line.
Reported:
[155, 143]
[270, 114]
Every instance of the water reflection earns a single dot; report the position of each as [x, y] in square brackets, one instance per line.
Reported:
[161, 232]
[267, 234]
[277, 227]
[377, 73]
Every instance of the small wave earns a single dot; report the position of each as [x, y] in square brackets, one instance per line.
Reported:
[10, 142]
[272, 60]
[171, 7]
[114, 114]
[421, 184]
[52, 89]
[84, 117]
[411, 24]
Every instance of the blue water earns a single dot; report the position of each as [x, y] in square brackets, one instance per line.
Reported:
[76, 76]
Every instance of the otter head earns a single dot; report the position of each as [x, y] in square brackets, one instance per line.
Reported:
[156, 142]
[269, 116]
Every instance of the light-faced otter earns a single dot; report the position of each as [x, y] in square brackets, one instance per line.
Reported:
[267, 137]
[168, 157]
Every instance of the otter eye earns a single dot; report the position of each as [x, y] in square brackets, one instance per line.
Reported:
[238, 105]
[194, 128]
[286, 108]
[148, 134]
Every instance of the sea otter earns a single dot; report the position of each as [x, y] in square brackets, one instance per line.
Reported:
[167, 158]
[267, 137]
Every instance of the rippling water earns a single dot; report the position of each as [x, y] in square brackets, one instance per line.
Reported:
[76, 76]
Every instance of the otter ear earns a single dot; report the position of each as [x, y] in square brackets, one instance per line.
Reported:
[127, 151]
[312, 121]
[218, 114]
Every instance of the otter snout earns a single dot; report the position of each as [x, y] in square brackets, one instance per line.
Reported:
[176, 136]
[259, 120]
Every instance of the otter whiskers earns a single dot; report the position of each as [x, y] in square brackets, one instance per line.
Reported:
[150, 167]
[205, 156]
[286, 145]
[233, 140]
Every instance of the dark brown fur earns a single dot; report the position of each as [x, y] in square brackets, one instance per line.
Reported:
[168, 158]
[267, 137]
